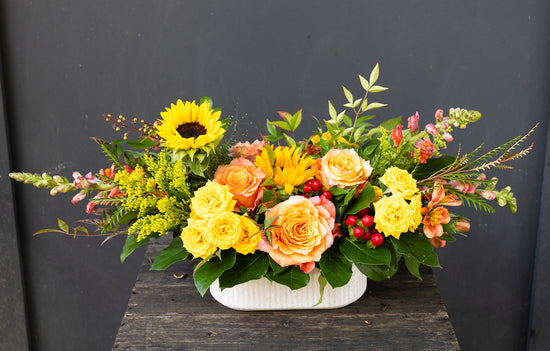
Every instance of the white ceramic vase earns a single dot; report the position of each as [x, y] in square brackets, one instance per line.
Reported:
[261, 294]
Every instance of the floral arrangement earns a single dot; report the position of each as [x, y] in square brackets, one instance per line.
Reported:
[353, 193]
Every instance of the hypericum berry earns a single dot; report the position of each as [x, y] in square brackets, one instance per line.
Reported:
[363, 212]
[351, 220]
[358, 232]
[315, 184]
[367, 235]
[307, 188]
[367, 220]
[377, 239]
[327, 195]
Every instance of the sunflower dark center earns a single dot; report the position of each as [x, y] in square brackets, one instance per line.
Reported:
[191, 130]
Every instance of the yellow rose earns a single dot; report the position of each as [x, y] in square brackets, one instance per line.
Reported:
[344, 168]
[392, 215]
[248, 242]
[211, 199]
[416, 212]
[400, 182]
[224, 230]
[194, 241]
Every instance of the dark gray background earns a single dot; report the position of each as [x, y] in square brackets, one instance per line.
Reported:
[65, 63]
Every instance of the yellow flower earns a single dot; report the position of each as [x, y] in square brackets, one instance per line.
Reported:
[288, 169]
[189, 126]
[211, 199]
[416, 212]
[400, 182]
[194, 241]
[224, 230]
[393, 216]
[248, 242]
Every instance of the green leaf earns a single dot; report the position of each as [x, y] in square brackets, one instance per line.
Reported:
[391, 123]
[377, 89]
[293, 277]
[364, 83]
[348, 95]
[417, 246]
[212, 269]
[378, 272]
[331, 110]
[381, 272]
[284, 115]
[271, 128]
[130, 245]
[62, 225]
[172, 253]
[282, 124]
[289, 141]
[335, 266]
[269, 221]
[374, 74]
[374, 105]
[432, 165]
[143, 143]
[207, 100]
[358, 252]
[247, 267]
[295, 120]
[276, 267]
[365, 198]
[322, 284]
[413, 266]
[270, 153]
[80, 229]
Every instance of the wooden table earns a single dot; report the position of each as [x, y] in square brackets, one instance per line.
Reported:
[167, 313]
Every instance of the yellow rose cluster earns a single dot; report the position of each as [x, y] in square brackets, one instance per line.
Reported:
[393, 214]
[213, 225]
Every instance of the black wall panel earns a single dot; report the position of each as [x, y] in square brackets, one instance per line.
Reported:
[68, 62]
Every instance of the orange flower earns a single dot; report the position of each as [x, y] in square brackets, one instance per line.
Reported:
[305, 231]
[243, 179]
[435, 215]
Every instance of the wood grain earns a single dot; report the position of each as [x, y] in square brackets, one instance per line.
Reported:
[167, 313]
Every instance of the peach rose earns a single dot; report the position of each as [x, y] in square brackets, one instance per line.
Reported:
[247, 150]
[344, 168]
[305, 231]
[243, 179]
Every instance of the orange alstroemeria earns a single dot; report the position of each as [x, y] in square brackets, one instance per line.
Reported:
[435, 215]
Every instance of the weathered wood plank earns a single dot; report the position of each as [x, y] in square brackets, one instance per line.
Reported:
[166, 313]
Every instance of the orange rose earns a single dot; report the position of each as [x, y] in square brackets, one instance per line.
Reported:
[243, 179]
[305, 231]
[344, 168]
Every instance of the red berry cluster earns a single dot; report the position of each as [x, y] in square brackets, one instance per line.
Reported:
[313, 187]
[361, 226]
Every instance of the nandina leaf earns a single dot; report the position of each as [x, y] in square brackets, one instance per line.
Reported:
[172, 253]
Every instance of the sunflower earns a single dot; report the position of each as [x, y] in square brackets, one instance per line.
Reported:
[288, 168]
[190, 126]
